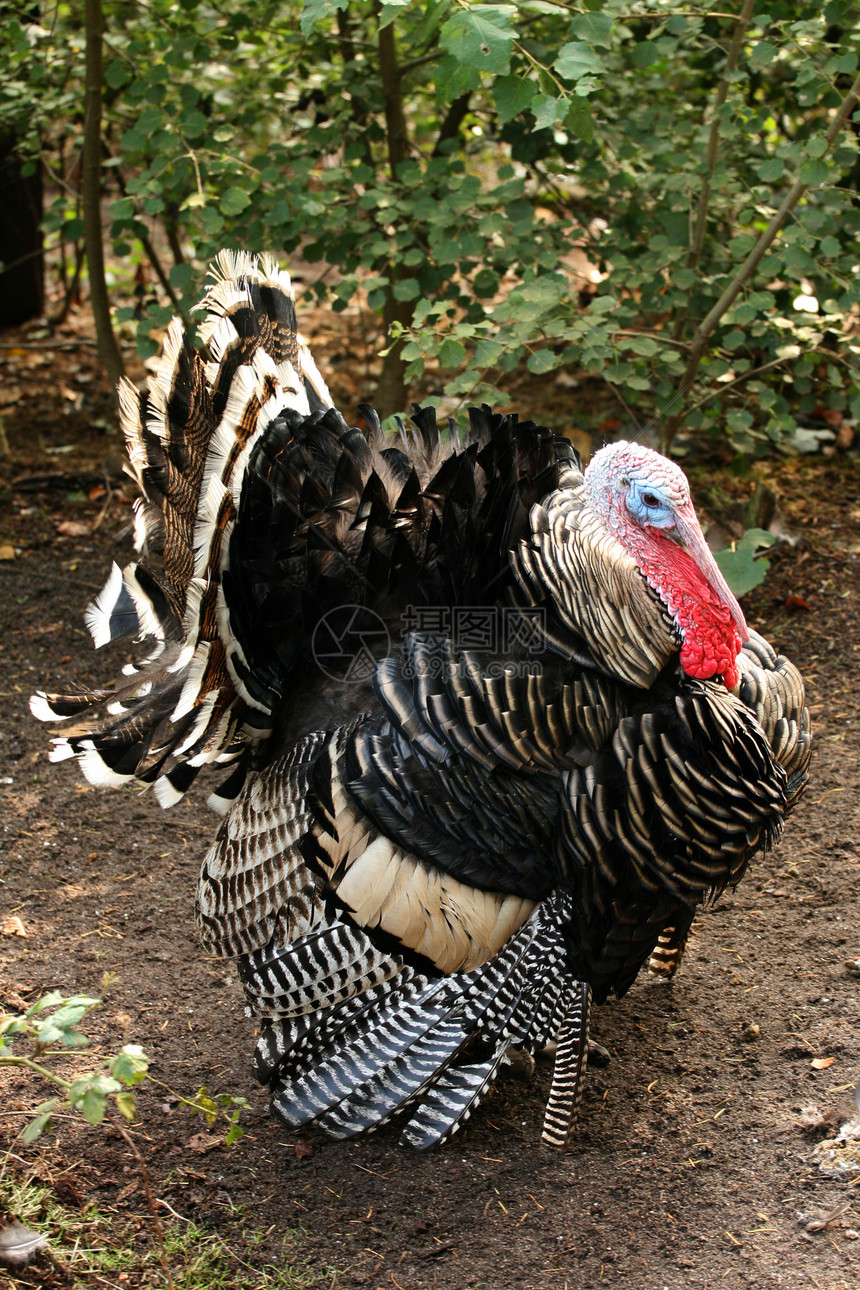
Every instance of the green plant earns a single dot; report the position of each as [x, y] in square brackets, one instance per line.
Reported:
[49, 1026]
[447, 160]
[742, 565]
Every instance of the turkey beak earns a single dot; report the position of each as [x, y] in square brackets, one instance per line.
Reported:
[692, 539]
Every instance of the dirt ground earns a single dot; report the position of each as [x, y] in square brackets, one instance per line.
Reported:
[692, 1165]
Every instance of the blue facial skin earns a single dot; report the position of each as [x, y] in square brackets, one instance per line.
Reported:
[648, 506]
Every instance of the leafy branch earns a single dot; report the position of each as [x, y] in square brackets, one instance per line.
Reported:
[53, 1021]
[750, 264]
[50, 1027]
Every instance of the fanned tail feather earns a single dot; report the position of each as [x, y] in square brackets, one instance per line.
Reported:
[188, 442]
[261, 510]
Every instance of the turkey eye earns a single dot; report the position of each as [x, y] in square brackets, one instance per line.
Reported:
[650, 500]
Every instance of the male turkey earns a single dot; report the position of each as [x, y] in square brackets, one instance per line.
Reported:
[440, 854]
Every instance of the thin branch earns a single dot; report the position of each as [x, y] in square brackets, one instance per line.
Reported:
[150, 1199]
[697, 233]
[751, 263]
[28, 1064]
[454, 118]
[744, 376]
[151, 253]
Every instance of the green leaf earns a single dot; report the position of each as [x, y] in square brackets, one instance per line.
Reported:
[595, 28]
[643, 345]
[122, 208]
[816, 147]
[181, 276]
[116, 74]
[130, 1064]
[480, 37]
[513, 94]
[771, 170]
[314, 11]
[407, 289]
[194, 124]
[577, 59]
[739, 565]
[579, 120]
[645, 54]
[234, 1133]
[814, 173]
[47, 1001]
[93, 1106]
[234, 201]
[762, 54]
[390, 12]
[451, 353]
[547, 111]
[487, 352]
[542, 360]
[485, 283]
[41, 1123]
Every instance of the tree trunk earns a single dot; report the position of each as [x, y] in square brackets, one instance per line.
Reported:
[22, 284]
[91, 189]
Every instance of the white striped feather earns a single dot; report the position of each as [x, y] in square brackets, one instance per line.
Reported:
[150, 623]
[41, 709]
[310, 372]
[98, 613]
[95, 771]
[129, 420]
[193, 680]
[161, 381]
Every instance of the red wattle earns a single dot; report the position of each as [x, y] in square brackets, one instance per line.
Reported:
[711, 640]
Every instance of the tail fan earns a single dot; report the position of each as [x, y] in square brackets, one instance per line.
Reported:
[261, 510]
[188, 443]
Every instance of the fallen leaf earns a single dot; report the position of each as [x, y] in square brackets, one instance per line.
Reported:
[7, 552]
[845, 436]
[202, 1143]
[73, 528]
[12, 926]
[821, 1063]
[796, 602]
[817, 1222]
[18, 1245]
[305, 1149]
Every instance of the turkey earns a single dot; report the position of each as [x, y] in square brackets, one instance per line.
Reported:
[493, 728]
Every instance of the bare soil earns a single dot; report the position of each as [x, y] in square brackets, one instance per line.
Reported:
[692, 1165]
